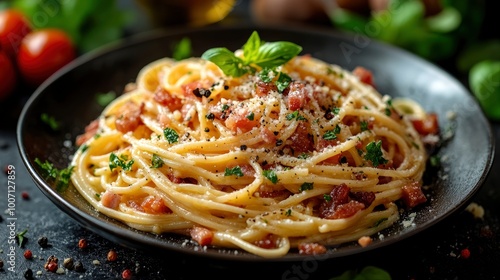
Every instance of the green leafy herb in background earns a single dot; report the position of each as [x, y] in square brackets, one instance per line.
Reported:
[405, 24]
[484, 80]
[182, 49]
[90, 24]
[367, 273]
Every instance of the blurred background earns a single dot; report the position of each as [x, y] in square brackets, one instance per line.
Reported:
[37, 37]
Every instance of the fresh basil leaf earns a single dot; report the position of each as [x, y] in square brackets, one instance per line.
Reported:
[251, 47]
[274, 54]
[230, 64]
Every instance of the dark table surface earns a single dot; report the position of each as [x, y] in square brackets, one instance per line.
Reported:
[437, 253]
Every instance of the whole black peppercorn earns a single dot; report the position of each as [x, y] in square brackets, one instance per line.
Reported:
[43, 241]
[68, 263]
[28, 274]
[78, 266]
[1, 264]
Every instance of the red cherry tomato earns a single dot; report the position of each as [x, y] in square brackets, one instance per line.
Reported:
[13, 27]
[8, 76]
[42, 53]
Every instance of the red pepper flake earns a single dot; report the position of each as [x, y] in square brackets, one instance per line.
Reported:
[28, 254]
[127, 274]
[465, 253]
[25, 195]
[112, 255]
[82, 243]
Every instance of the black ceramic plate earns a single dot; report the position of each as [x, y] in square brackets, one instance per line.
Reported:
[70, 97]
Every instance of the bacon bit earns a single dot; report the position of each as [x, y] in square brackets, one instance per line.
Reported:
[311, 249]
[465, 253]
[263, 89]
[301, 140]
[90, 131]
[154, 205]
[412, 194]
[296, 96]
[202, 235]
[364, 75]
[427, 126]
[238, 122]
[344, 204]
[110, 199]
[365, 241]
[270, 241]
[165, 98]
[129, 117]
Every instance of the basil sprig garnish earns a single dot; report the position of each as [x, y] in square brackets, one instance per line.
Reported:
[255, 53]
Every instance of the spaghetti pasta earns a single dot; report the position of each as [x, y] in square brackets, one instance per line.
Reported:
[299, 155]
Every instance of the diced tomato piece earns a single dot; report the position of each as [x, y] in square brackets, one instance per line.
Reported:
[427, 126]
[364, 75]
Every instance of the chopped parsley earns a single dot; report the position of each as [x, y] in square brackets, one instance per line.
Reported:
[364, 125]
[327, 197]
[271, 176]
[264, 75]
[104, 98]
[171, 135]
[156, 161]
[288, 213]
[251, 116]
[374, 153]
[335, 110]
[295, 115]
[303, 156]
[306, 186]
[236, 171]
[60, 176]
[50, 121]
[122, 162]
[332, 134]
[283, 81]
